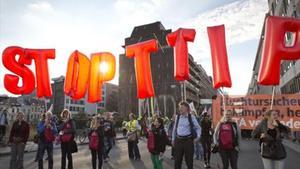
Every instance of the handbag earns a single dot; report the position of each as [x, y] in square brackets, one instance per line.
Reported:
[132, 136]
[214, 148]
[273, 150]
[73, 147]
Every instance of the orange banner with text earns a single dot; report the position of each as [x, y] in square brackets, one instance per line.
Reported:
[248, 110]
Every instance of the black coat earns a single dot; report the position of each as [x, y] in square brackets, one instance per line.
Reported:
[161, 140]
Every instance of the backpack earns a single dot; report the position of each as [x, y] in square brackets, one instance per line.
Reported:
[49, 136]
[193, 132]
[94, 141]
[227, 138]
[67, 137]
[150, 141]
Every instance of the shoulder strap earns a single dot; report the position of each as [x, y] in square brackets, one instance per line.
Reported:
[191, 122]
[177, 121]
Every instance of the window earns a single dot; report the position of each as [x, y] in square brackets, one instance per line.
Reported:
[67, 100]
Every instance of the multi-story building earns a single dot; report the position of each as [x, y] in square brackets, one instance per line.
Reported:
[289, 70]
[61, 101]
[168, 92]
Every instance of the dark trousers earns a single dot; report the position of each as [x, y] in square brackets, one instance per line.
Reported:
[2, 132]
[108, 143]
[96, 154]
[65, 153]
[206, 144]
[229, 156]
[184, 147]
[41, 151]
[17, 154]
[133, 150]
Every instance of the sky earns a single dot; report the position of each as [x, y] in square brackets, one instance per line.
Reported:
[96, 26]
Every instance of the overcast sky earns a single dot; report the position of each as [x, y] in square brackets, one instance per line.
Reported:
[93, 26]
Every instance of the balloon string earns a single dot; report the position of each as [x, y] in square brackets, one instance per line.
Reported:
[223, 97]
[273, 94]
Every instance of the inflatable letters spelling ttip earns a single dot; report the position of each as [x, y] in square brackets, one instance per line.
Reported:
[274, 49]
[217, 42]
[179, 39]
[97, 77]
[141, 53]
[40, 57]
[77, 76]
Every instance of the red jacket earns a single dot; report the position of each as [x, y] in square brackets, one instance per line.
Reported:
[23, 132]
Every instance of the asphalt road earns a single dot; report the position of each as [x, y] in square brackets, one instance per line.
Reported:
[248, 158]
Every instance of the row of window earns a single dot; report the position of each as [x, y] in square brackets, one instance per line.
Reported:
[81, 102]
[292, 87]
[77, 109]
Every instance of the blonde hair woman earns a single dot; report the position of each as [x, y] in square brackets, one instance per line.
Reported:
[227, 136]
[272, 150]
[67, 135]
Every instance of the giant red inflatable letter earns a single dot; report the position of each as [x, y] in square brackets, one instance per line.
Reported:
[217, 42]
[77, 77]
[274, 49]
[19, 68]
[103, 67]
[40, 57]
[141, 53]
[179, 39]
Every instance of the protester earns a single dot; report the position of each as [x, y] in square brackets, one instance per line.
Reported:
[18, 138]
[67, 135]
[206, 138]
[108, 136]
[157, 138]
[185, 133]
[132, 138]
[42, 118]
[197, 146]
[124, 128]
[227, 136]
[47, 131]
[96, 142]
[170, 131]
[270, 131]
[3, 124]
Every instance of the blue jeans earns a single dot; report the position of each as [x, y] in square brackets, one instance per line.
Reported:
[273, 164]
[108, 143]
[198, 150]
[49, 148]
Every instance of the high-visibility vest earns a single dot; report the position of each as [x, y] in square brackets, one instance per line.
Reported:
[131, 125]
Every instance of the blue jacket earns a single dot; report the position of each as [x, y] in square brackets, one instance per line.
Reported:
[41, 129]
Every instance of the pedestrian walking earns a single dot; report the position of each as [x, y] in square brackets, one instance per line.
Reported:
[132, 138]
[67, 135]
[170, 131]
[47, 131]
[108, 135]
[157, 142]
[18, 137]
[227, 137]
[3, 125]
[185, 134]
[206, 138]
[96, 142]
[270, 132]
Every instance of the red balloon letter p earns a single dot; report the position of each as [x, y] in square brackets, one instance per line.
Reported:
[275, 50]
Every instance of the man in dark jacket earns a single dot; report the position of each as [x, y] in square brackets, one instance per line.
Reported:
[18, 138]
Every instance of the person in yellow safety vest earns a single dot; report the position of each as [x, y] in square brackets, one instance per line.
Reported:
[132, 138]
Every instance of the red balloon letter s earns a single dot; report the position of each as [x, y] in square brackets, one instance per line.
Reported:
[274, 49]
[19, 68]
[178, 39]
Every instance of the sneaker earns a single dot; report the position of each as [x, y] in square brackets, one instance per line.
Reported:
[205, 165]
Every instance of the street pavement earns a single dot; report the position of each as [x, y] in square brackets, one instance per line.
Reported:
[248, 158]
